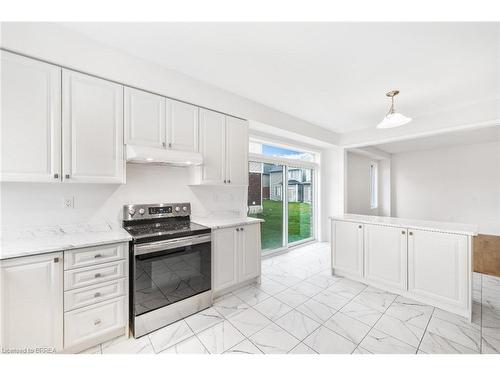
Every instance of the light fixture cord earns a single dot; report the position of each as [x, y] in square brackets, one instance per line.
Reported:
[391, 110]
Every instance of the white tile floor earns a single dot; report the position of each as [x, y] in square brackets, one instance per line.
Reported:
[300, 308]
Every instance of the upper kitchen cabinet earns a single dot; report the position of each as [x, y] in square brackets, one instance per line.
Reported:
[182, 126]
[31, 119]
[92, 118]
[145, 115]
[224, 146]
[236, 151]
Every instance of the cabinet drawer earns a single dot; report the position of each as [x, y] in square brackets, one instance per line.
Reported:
[92, 275]
[93, 321]
[94, 255]
[89, 295]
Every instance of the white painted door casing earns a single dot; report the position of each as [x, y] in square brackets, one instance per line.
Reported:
[385, 256]
[182, 126]
[249, 252]
[225, 258]
[92, 118]
[32, 302]
[347, 256]
[439, 267]
[236, 151]
[145, 118]
[31, 120]
[212, 147]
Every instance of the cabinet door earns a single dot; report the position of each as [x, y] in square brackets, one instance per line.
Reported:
[225, 258]
[212, 146]
[347, 249]
[32, 302]
[182, 126]
[439, 267]
[92, 129]
[31, 120]
[249, 252]
[237, 151]
[145, 122]
[385, 251]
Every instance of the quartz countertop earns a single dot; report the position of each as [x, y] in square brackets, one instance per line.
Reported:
[225, 222]
[39, 240]
[438, 226]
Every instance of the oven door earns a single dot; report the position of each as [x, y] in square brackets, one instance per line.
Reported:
[169, 271]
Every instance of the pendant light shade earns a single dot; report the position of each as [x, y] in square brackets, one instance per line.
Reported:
[393, 119]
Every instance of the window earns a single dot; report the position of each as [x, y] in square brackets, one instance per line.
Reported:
[279, 152]
[373, 186]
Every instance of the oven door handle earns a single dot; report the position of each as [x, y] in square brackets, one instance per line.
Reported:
[153, 247]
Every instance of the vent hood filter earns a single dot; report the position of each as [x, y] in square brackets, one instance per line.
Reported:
[152, 155]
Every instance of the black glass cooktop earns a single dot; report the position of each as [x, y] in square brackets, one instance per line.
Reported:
[162, 229]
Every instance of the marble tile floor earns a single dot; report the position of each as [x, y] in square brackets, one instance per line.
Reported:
[300, 308]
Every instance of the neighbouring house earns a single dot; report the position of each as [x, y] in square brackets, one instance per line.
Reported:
[266, 182]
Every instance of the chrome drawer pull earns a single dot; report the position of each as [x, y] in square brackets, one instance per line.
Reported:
[97, 275]
[98, 256]
[98, 294]
[97, 321]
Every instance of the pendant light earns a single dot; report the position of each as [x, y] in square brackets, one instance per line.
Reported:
[393, 119]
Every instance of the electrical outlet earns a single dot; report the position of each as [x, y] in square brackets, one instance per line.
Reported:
[69, 202]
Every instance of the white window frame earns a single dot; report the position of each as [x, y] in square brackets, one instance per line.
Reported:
[373, 185]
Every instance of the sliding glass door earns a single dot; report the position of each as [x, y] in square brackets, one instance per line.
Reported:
[300, 198]
[270, 185]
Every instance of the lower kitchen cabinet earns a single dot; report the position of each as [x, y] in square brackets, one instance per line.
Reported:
[347, 241]
[439, 267]
[31, 303]
[236, 254]
[385, 256]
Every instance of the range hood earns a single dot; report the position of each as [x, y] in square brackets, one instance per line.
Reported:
[152, 155]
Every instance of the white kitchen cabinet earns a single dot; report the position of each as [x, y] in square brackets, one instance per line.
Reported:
[225, 258]
[92, 118]
[347, 256]
[30, 120]
[182, 126]
[145, 118]
[236, 256]
[224, 146]
[385, 256]
[249, 252]
[439, 268]
[32, 302]
[236, 151]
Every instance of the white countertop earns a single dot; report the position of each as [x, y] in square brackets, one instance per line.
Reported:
[224, 222]
[438, 226]
[40, 240]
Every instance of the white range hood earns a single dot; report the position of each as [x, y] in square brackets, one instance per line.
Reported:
[152, 155]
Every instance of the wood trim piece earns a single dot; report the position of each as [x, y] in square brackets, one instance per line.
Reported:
[486, 254]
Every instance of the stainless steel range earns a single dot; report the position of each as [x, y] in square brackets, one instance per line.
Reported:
[170, 265]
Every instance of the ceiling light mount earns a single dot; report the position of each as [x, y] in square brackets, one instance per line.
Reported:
[393, 119]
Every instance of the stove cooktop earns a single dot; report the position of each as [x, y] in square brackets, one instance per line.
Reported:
[159, 231]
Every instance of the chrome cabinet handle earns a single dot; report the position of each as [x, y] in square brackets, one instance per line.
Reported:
[56, 175]
[237, 229]
[164, 144]
[242, 229]
[97, 321]
[225, 181]
[98, 256]
[56, 260]
[403, 232]
[98, 294]
[360, 226]
[67, 176]
[170, 145]
[410, 233]
[97, 275]
[228, 181]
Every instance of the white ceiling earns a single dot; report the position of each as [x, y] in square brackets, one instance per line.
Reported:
[331, 74]
[458, 138]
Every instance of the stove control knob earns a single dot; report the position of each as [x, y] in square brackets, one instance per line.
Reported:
[141, 211]
[184, 208]
[177, 209]
[131, 212]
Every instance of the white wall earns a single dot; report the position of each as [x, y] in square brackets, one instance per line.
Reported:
[331, 189]
[41, 204]
[455, 184]
[358, 185]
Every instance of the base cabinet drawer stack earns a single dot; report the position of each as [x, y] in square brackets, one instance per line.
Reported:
[95, 295]
[430, 266]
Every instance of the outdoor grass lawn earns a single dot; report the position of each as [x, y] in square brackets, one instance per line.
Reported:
[299, 222]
